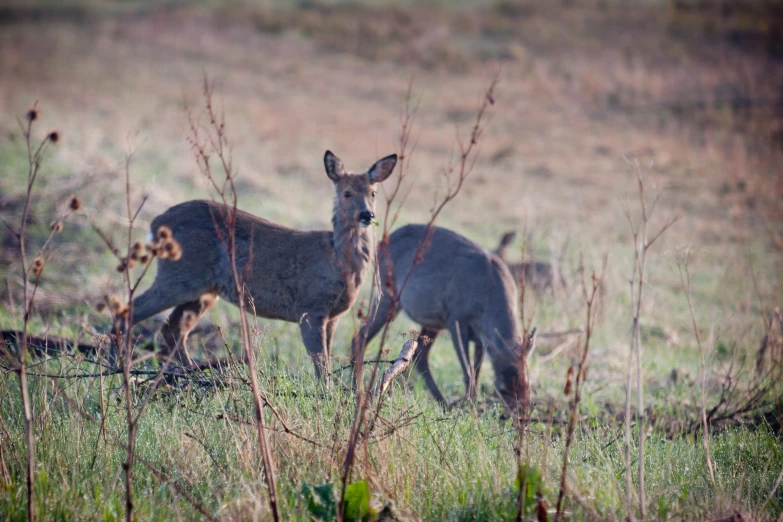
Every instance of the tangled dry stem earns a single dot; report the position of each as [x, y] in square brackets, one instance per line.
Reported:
[467, 158]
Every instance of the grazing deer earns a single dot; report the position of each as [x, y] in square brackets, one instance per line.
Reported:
[307, 277]
[452, 283]
[540, 276]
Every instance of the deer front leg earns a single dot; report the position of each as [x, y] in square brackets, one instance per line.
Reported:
[378, 316]
[480, 349]
[421, 362]
[331, 326]
[313, 328]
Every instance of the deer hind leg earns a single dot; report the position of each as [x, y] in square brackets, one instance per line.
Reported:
[478, 358]
[160, 296]
[380, 314]
[180, 323]
[460, 336]
[421, 362]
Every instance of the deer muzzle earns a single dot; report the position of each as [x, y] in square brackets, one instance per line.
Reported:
[365, 218]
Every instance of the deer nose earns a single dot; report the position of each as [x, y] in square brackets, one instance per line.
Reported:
[366, 217]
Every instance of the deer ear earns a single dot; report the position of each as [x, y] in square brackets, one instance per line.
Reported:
[334, 166]
[382, 168]
[508, 238]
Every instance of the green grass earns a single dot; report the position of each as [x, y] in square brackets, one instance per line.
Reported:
[443, 466]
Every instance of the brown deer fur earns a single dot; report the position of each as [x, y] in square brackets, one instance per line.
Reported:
[457, 285]
[307, 277]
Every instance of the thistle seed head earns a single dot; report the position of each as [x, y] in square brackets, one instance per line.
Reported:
[38, 266]
[164, 233]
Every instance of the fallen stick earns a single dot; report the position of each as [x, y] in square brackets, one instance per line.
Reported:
[399, 365]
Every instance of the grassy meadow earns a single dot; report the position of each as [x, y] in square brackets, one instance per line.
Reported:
[590, 94]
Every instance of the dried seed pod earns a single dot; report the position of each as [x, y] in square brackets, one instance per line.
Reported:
[57, 226]
[76, 203]
[54, 136]
[206, 301]
[38, 266]
[569, 376]
[138, 246]
[116, 304]
[32, 115]
[164, 233]
[145, 259]
[100, 307]
[175, 253]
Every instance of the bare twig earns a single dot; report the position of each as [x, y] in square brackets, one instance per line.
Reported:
[35, 156]
[467, 158]
[580, 377]
[642, 241]
[684, 258]
[207, 140]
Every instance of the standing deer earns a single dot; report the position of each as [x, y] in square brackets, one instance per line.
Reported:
[446, 281]
[307, 277]
[540, 276]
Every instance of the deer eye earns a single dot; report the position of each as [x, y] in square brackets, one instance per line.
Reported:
[373, 193]
[347, 194]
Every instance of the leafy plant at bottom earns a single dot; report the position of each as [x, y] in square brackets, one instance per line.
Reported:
[321, 501]
[533, 485]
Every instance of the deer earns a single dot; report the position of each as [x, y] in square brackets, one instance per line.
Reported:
[307, 277]
[444, 281]
[539, 276]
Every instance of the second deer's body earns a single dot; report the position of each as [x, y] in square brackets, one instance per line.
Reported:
[443, 280]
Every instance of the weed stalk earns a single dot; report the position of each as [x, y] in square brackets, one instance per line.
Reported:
[642, 242]
[35, 156]
[205, 140]
[579, 377]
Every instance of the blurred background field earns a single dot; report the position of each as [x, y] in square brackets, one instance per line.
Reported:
[690, 92]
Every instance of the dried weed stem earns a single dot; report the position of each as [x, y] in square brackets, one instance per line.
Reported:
[468, 153]
[579, 378]
[642, 243]
[35, 156]
[208, 139]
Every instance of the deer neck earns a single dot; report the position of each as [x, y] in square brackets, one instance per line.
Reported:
[501, 330]
[353, 250]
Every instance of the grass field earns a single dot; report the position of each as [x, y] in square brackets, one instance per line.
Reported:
[589, 94]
